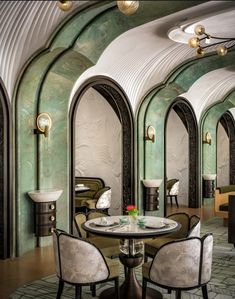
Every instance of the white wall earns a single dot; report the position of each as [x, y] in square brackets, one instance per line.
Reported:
[98, 144]
[222, 157]
[177, 155]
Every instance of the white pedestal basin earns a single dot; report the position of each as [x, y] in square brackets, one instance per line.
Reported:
[152, 183]
[45, 195]
[209, 177]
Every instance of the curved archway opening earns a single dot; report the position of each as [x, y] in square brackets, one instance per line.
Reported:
[187, 136]
[110, 140]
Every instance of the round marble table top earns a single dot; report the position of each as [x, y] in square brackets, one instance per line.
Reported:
[113, 226]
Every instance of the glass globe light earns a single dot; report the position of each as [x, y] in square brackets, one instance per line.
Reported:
[221, 50]
[194, 42]
[199, 29]
[200, 52]
[65, 5]
[128, 7]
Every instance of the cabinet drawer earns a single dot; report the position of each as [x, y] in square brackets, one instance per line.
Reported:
[45, 207]
[43, 219]
[44, 230]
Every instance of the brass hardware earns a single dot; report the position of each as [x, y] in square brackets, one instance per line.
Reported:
[150, 133]
[52, 207]
[207, 138]
[52, 218]
[43, 124]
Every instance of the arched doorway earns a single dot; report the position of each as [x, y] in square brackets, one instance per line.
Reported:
[116, 98]
[185, 112]
[228, 124]
[5, 171]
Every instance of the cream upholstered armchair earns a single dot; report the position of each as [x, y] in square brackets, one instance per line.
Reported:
[190, 226]
[181, 265]
[102, 203]
[80, 263]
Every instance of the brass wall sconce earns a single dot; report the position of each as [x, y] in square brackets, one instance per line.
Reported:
[207, 138]
[150, 133]
[43, 124]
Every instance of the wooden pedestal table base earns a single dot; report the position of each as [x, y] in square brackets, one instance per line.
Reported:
[131, 288]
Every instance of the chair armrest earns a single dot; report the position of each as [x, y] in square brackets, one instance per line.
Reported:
[100, 192]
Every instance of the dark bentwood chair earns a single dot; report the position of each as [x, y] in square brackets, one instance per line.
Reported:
[172, 190]
[78, 262]
[181, 265]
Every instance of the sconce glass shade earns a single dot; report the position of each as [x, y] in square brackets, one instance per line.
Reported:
[65, 5]
[150, 133]
[207, 138]
[199, 29]
[222, 50]
[194, 42]
[128, 7]
[44, 122]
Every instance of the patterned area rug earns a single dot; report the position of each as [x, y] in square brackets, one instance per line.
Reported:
[221, 286]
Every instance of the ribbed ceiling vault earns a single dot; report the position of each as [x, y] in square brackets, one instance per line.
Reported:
[143, 57]
[25, 27]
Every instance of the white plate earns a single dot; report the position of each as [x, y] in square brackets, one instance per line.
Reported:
[155, 225]
[109, 222]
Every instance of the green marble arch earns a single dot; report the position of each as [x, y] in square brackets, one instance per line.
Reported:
[45, 86]
[153, 110]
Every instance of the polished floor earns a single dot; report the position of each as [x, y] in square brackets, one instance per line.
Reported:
[40, 262]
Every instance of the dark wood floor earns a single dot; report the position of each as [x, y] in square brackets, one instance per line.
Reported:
[40, 262]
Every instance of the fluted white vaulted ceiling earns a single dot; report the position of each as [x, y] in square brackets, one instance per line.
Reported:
[144, 56]
[25, 27]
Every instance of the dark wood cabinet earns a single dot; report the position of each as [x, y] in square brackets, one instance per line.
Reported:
[151, 199]
[208, 188]
[45, 218]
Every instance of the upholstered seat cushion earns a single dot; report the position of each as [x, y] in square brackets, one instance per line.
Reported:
[224, 207]
[81, 201]
[90, 203]
[153, 245]
[109, 247]
[113, 266]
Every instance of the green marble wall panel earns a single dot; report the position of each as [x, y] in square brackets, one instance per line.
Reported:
[26, 111]
[154, 154]
[54, 151]
[209, 124]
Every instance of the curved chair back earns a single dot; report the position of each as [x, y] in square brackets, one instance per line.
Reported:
[184, 263]
[184, 220]
[79, 219]
[104, 201]
[194, 226]
[172, 187]
[78, 261]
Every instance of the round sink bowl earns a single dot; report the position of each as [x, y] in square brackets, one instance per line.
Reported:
[152, 183]
[209, 177]
[45, 195]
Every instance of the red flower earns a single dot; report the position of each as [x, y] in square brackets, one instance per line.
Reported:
[130, 208]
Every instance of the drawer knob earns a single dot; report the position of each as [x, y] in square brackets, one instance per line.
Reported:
[51, 229]
[52, 218]
[52, 207]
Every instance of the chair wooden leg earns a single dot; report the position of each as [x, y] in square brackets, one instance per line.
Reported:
[78, 291]
[60, 289]
[204, 292]
[117, 291]
[144, 288]
[176, 201]
[171, 200]
[178, 294]
[168, 291]
[145, 258]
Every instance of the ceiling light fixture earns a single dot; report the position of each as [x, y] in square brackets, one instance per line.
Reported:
[65, 5]
[207, 41]
[128, 7]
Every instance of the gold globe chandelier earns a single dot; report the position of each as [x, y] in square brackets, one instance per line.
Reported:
[204, 41]
[126, 7]
[65, 5]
